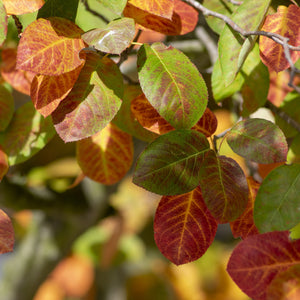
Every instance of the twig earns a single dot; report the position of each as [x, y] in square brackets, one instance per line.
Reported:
[18, 25]
[95, 13]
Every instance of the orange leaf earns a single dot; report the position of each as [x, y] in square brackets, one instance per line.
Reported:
[18, 79]
[7, 238]
[50, 47]
[48, 91]
[21, 7]
[256, 261]
[285, 22]
[184, 19]
[106, 156]
[244, 225]
[3, 163]
[183, 227]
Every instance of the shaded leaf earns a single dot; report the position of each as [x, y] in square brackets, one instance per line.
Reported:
[18, 79]
[27, 133]
[3, 23]
[171, 164]
[183, 227]
[7, 238]
[278, 199]
[50, 47]
[6, 107]
[256, 261]
[115, 6]
[48, 91]
[244, 225]
[106, 156]
[258, 140]
[3, 163]
[172, 84]
[21, 7]
[93, 102]
[114, 38]
[224, 187]
[285, 22]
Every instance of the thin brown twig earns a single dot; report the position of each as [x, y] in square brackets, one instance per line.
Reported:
[93, 12]
[18, 25]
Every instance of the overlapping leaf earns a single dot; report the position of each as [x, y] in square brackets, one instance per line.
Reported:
[183, 21]
[21, 7]
[107, 155]
[27, 133]
[114, 38]
[224, 187]
[183, 227]
[3, 163]
[18, 79]
[115, 6]
[3, 23]
[6, 107]
[244, 225]
[172, 84]
[256, 261]
[278, 199]
[48, 91]
[50, 47]
[285, 22]
[258, 140]
[7, 238]
[93, 101]
[171, 164]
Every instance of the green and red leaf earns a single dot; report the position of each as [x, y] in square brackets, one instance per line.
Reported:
[183, 227]
[21, 7]
[7, 237]
[7, 107]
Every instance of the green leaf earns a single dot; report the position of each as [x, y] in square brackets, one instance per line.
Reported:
[3, 23]
[171, 164]
[172, 84]
[6, 107]
[258, 140]
[27, 133]
[233, 48]
[56, 8]
[115, 6]
[277, 202]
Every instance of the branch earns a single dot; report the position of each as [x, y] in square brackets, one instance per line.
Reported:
[93, 12]
[18, 25]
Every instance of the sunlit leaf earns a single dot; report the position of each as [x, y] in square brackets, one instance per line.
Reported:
[106, 156]
[21, 7]
[48, 91]
[27, 133]
[114, 38]
[18, 79]
[258, 140]
[184, 228]
[6, 107]
[93, 101]
[7, 238]
[3, 23]
[171, 164]
[3, 163]
[278, 199]
[285, 22]
[224, 187]
[172, 84]
[50, 47]
[256, 261]
[244, 225]
[115, 6]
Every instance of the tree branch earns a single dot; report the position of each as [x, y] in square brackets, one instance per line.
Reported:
[93, 12]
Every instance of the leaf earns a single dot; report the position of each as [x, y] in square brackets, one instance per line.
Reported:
[285, 22]
[183, 227]
[50, 47]
[244, 225]
[48, 91]
[224, 187]
[286, 285]
[233, 49]
[106, 156]
[172, 84]
[3, 163]
[258, 140]
[6, 107]
[21, 7]
[171, 164]
[3, 23]
[7, 238]
[66, 9]
[114, 38]
[256, 261]
[184, 19]
[93, 102]
[20, 80]
[27, 133]
[115, 6]
[277, 200]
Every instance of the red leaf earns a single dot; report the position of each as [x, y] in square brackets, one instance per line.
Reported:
[285, 22]
[244, 225]
[21, 7]
[256, 261]
[7, 238]
[183, 227]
